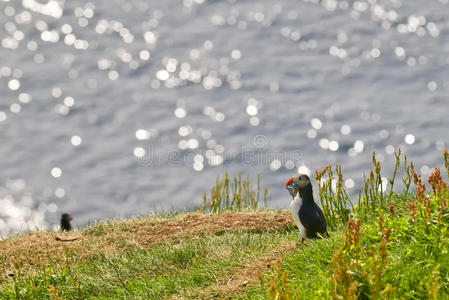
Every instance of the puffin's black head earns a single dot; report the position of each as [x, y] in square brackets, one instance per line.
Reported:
[65, 222]
[296, 183]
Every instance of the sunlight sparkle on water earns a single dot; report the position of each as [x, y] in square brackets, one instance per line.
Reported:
[59, 192]
[180, 112]
[409, 139]
[236, 54]
[324, 143]
[14, 84]
[219, 117]
[51, 8]
[192, 143]
[182, 144]
[251, 110]
[311, 133]
[316, 123]
[56, 172]
[24, 97]
[144, 55]
[275, 165]
[289, 164]
[142, 134]
[304, 170]
[432, 86]
[349, 183]
[113, 75]
[62, 109]
[215, 160]
[76, 140]
[389, 149]
[425, 170]
[184, 130]
[56, 92]
[15, 108]
[254, 121]
[69, 101]
[139, 152]
[198, 166]
[345, 129]
[358, 146]
[333, 146]
[162, 75]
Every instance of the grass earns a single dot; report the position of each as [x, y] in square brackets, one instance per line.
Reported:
[149, 257]
[390, 246]
[165, 270]
[395, 257]
[387, 245]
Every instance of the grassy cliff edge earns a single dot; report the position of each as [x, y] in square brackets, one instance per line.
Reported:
[385, 246]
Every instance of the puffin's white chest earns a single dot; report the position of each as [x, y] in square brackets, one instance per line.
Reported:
[295, 205]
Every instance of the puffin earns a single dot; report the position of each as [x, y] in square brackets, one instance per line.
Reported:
[65, 222]
[308, 216]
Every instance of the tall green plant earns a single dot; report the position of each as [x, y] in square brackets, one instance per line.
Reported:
[333, 196]
[373, 196]
[235, 195]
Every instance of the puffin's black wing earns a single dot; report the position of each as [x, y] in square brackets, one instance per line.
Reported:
[323, 220]
[312, 218]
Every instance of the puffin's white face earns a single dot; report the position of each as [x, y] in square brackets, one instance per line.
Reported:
[296, 183]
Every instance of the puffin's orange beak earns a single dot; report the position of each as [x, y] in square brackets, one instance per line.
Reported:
[288, 182]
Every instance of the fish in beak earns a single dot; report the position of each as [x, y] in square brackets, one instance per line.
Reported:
[292, 187]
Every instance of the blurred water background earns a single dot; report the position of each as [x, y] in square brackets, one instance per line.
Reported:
[113, 108]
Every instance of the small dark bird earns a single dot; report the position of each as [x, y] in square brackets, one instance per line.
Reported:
[65, 222]
[307, 215]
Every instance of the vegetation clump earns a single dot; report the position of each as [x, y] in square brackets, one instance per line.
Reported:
[382, 245]
[393, 246]
[233, 195]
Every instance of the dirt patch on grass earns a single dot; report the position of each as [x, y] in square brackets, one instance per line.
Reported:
[34, 251]
[236, 282]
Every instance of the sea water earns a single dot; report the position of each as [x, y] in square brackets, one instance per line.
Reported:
[118, 108]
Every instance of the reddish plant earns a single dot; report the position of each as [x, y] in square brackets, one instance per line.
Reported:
[439, 186]
[279, 288]
[413, 211]
[421, 187]
[380, 263]
[446, 160]
[345, 263]
[391, 210]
